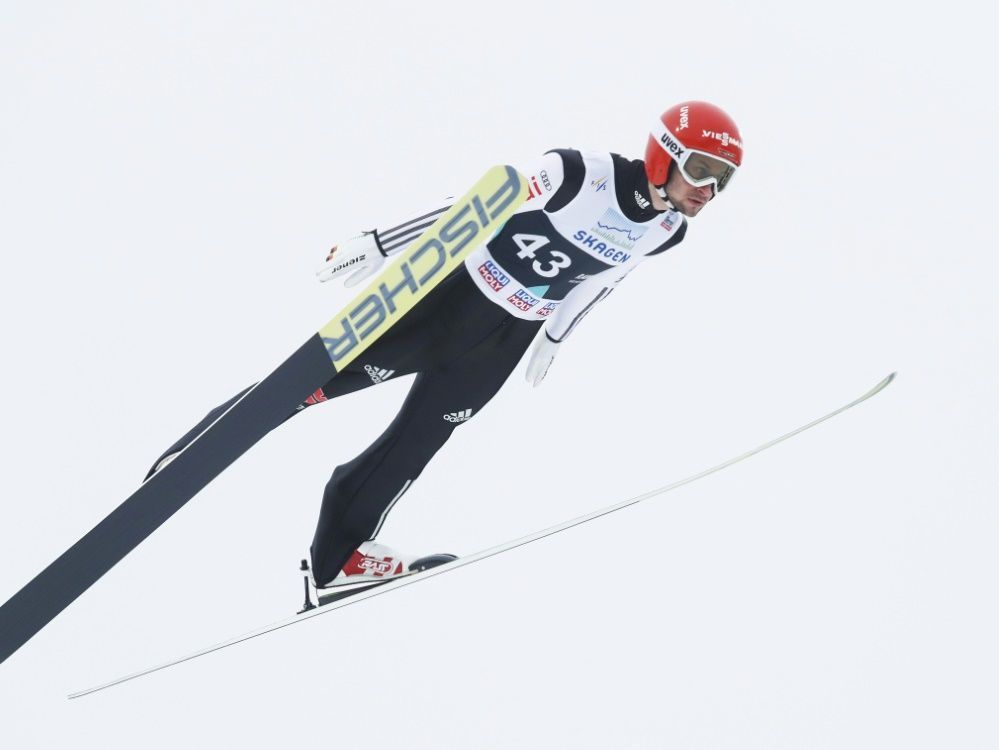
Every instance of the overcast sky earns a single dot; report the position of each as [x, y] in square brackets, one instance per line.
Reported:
[171, 175]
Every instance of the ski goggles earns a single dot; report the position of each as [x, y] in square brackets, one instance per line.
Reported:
[701, 169]
[697, 167]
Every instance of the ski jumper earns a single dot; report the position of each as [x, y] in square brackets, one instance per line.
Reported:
[588, 222]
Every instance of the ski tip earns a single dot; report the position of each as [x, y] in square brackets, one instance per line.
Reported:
[882, 385]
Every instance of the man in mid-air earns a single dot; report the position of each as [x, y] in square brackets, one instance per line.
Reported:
[591, 218]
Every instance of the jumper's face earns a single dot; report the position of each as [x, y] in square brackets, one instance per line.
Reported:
[687, 199]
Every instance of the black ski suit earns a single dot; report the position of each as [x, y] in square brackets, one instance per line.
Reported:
[587, 224]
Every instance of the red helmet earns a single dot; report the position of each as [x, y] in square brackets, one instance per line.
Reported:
[698, 137]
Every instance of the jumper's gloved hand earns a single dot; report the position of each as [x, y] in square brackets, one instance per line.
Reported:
[542, 357]
[361, 257]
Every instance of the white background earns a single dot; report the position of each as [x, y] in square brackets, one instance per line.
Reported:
[171, 174]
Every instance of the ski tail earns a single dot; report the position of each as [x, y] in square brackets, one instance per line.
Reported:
[389, 296]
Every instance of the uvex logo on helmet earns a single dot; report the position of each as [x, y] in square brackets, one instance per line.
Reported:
[688, 128]
[672, 146]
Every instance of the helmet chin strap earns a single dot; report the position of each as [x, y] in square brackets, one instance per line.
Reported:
[661, 192]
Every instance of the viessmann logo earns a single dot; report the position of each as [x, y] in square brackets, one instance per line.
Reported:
[725, 138]
[398, 288]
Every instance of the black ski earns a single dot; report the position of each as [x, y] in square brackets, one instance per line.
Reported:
[387, 298]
